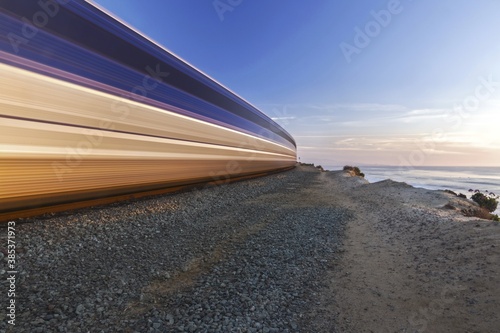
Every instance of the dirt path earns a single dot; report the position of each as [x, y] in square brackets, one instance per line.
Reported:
[409, 265]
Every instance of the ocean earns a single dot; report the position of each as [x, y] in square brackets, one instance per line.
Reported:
[457, 179]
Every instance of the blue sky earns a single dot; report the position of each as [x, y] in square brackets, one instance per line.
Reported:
[413, 82]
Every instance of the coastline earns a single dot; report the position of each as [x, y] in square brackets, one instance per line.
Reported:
[298, 251]
[412, 265]
[456, 179]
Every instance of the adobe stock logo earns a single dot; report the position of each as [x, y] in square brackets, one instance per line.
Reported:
[372, 29]
[223, 6]
[30, 28]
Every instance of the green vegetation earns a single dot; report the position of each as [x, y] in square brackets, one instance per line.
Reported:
[490, 203]
[354, 170]
[312, 164]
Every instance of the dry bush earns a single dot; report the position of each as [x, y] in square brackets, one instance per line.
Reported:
[480, 212]
[354, 170]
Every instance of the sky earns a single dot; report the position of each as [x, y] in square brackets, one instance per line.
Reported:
[367, 82]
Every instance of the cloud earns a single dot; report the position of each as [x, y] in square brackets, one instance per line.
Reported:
[283, 118]
[366, 115]
[362, 107]
[317, 136]
[420, 115]
[382, 133]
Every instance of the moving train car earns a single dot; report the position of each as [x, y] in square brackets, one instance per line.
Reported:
[90, 107]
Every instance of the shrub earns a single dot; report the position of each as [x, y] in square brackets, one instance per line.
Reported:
[451, 192]
[483, 213]
[355, 170]
[483, 201]
[480, 212]
[460, 195]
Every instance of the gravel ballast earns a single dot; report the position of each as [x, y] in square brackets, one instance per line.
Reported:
[242, 257]
[299, 251]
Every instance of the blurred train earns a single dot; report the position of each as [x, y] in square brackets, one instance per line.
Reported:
[90, 107]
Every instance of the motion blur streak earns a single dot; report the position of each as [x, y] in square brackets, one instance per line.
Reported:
[80, 121]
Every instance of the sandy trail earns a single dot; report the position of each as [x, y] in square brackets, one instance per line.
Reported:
[410, 265]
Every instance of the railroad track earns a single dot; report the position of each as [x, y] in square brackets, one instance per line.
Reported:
[75, 204]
